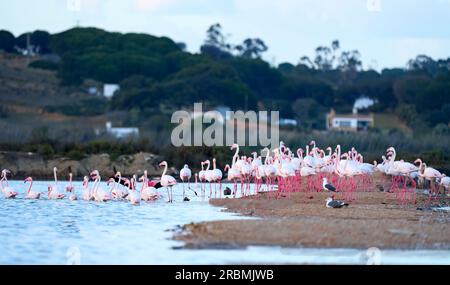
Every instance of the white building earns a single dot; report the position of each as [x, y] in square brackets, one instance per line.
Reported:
[349, 122]
[121, 132]
[110, 89]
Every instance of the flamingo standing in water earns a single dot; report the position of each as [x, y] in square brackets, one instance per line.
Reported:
[87, 195]
[117, 192]
[134, 196]
[30, 193]
[53, 192]
[167, 181]
[217, 177]
[202, 178]
[71, 189]
[148, 193]
[99, 193]
[185, 174]
[7, 191]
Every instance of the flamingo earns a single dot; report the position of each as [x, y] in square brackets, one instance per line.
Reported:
[99, 193]
[209, 176]
[202, 178]
[71, 189]
[117, 192]
[134, 196]
[428, 173]
[167, 181]
[185, 174]
[7, 191]
[87, 195]
[148, 193]
[217, 177]
[31, 194]
[53, 192]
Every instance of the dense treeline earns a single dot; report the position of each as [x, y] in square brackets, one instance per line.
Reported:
[156, 73]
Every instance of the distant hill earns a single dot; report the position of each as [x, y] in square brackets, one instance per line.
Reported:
[156, 73]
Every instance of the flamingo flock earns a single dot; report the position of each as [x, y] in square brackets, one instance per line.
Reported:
[278, 172]
[118, 188]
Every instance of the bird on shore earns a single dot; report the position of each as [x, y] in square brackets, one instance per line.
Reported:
[331, 203]
[30, 193]
[328, 186]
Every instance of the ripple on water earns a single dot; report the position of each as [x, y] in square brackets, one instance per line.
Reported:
[46, 232]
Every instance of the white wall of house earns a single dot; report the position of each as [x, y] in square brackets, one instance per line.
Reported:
[345, 123]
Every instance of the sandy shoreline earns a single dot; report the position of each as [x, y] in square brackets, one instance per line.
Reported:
[375, 219]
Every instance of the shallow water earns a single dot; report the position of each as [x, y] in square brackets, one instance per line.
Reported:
[66, 232]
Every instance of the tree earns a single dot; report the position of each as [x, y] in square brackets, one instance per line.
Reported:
[423, 63]
[305, 61]
[215, 44]
[7, 41]
[323, 59]
[350, 61]
[251, 48]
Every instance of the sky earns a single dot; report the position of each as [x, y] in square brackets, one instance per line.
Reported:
[387, 33]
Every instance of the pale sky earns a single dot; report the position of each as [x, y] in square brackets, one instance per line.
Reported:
[386, 32]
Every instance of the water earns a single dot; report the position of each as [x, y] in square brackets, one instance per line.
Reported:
[66, 232]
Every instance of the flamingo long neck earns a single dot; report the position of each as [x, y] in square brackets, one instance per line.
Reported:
[165, 169]
[266, 161]
[55, 176]
[227, 167]
[31, 184]
[235, 156]
[208, 163]
[70, 180]
[214, 164]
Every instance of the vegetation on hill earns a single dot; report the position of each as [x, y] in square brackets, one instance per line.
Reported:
[155, 71]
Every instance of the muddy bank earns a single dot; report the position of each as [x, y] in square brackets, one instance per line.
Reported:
[375, 219]
[30, 164]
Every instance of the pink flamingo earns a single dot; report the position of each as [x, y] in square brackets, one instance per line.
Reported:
[217, 177]
[53, 192]
[30, 193]
[185, 175]
[71, 189]
[148, 193]
[87, 195]
[99, 193]
[429, 174]
[167, 181]
[134, 196]
[7, 191]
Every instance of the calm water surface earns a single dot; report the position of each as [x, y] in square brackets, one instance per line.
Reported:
[65, 232]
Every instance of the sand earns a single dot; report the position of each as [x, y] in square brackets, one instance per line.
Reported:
[375, 219]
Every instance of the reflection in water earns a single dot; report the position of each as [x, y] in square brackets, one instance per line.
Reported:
[65, 232]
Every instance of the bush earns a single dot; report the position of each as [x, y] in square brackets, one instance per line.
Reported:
[46, 150]
[44, 64]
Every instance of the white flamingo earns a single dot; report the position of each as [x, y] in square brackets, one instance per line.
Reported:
[148, 193]
[7, 191]
[87, 195]
[71, 189]
[53, 192]
[30, 193]
[99, 192]
[185, 175]
[134, 196]
[117, 191]
[167, 181]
